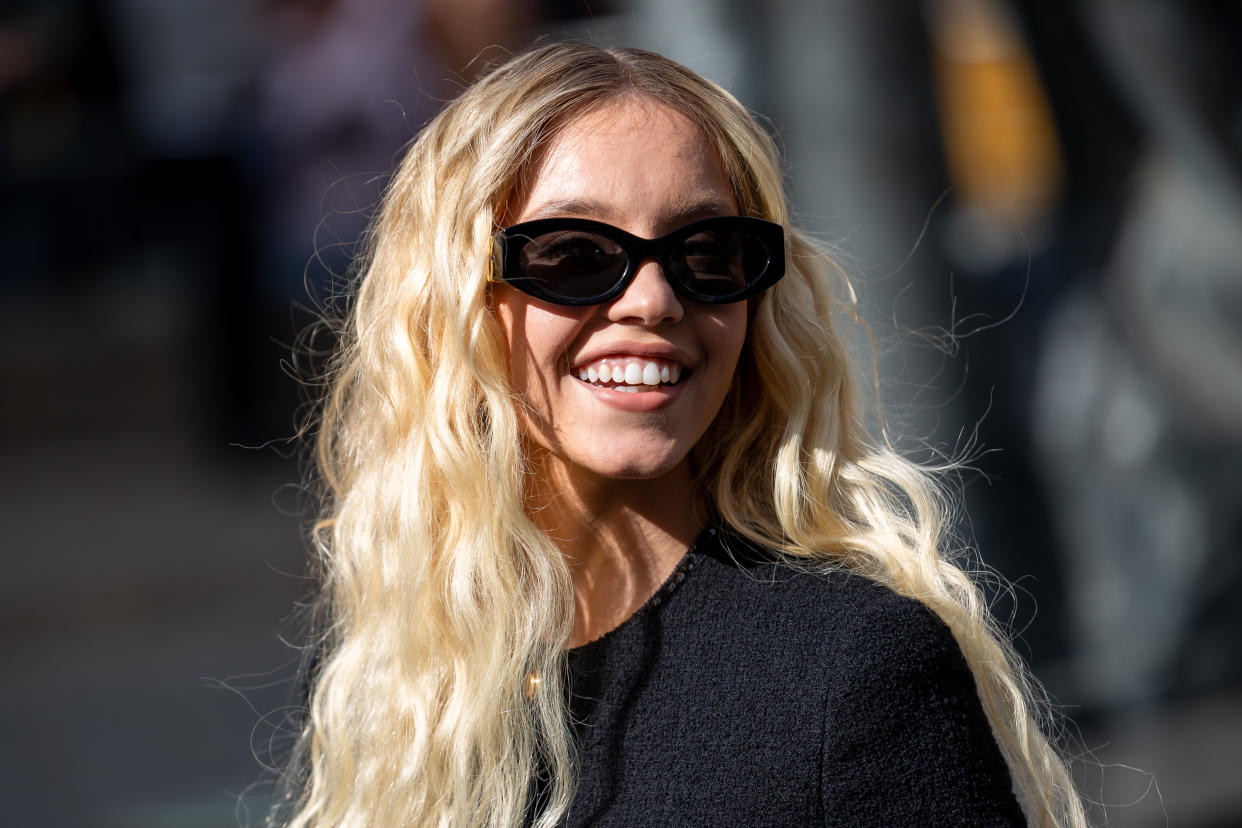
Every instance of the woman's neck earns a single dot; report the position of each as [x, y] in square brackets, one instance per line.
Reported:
[621, 538]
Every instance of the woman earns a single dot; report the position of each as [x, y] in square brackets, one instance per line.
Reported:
[605, 540]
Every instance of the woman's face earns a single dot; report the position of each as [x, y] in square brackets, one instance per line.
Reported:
[646, 169]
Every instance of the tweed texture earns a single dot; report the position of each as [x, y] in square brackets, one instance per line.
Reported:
[746, 692]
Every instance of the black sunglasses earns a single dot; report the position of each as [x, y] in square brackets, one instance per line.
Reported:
[572, 261]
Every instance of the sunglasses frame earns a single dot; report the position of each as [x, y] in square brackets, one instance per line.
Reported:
[507, 246]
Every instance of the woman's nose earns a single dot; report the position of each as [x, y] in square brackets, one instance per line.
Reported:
[649, 299]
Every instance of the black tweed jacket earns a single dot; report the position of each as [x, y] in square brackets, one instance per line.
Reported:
[748, 693]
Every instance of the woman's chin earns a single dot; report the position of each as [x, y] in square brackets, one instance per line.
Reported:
[624, 466]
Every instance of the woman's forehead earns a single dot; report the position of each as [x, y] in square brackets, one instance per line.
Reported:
[633, 158]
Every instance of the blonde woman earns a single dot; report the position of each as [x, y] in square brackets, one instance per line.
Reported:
[604, 539]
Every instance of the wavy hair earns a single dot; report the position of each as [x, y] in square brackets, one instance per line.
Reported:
[441, 598]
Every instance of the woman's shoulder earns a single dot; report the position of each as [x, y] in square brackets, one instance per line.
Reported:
[847, 610]
[868, 645]
[906, 740]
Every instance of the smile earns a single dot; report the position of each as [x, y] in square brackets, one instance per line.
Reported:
[630, 374]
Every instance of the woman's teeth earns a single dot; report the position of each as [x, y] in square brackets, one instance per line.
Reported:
[630, 374]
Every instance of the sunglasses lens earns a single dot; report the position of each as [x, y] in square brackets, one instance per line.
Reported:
[575, 264]
[720, 261]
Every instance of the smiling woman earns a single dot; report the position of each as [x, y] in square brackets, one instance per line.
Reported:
[638, 163]
[606, 445]
[603, 538]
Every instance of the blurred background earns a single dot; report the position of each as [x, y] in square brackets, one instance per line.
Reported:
[1041, 204]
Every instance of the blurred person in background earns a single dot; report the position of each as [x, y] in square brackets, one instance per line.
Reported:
[65, 153]
[1137, 408]
[341, 87]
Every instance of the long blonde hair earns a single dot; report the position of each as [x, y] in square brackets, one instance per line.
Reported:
[441, 597]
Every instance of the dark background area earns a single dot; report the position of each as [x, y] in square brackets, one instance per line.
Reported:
[1041, 204]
